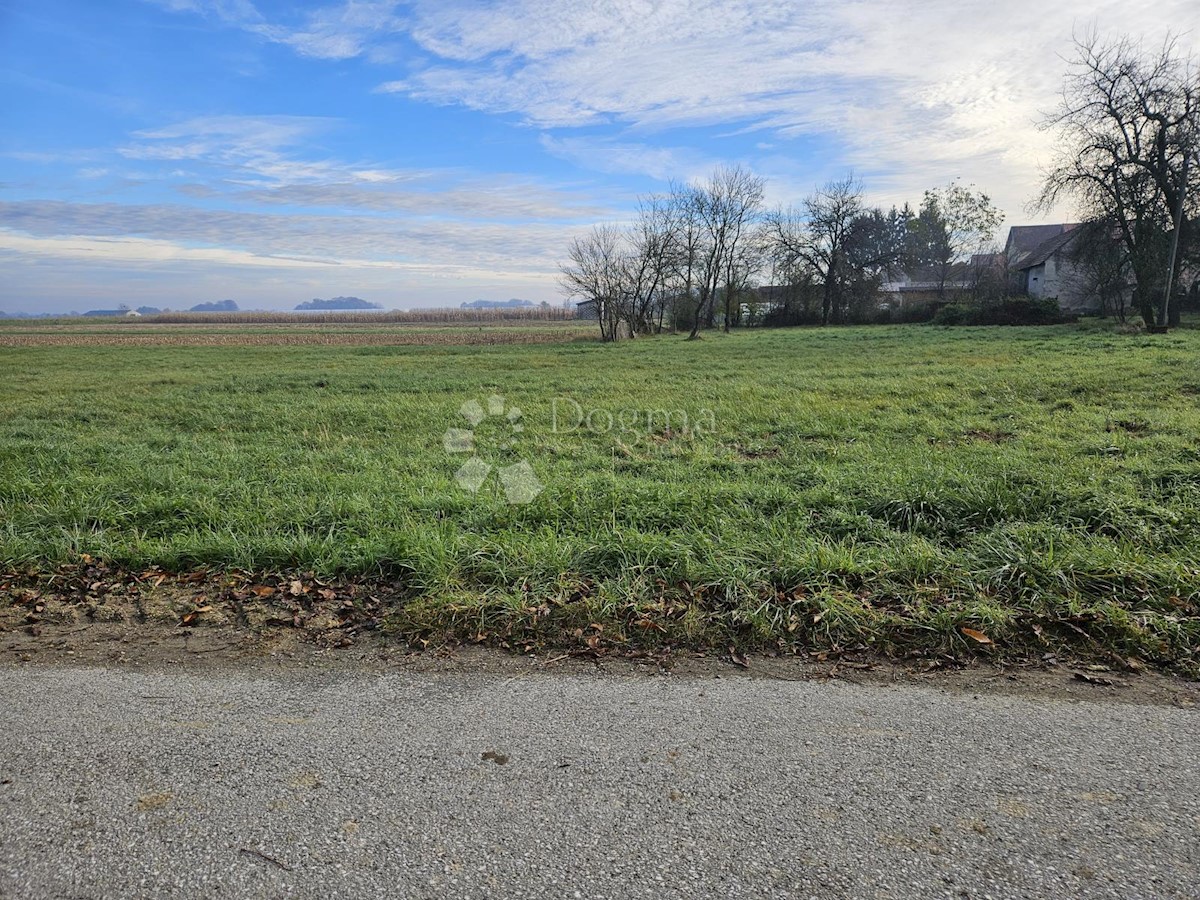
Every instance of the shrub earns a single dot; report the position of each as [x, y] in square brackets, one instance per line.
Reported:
[783, 316]
[952, 314]
[1006, 311]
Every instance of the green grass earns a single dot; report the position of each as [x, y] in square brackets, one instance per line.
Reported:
[874, 486]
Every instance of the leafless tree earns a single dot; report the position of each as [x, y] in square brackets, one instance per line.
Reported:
[1128, 120]
[594, 272]
[725, 208]
[1103, 268]
[653, 242]
[816, 236]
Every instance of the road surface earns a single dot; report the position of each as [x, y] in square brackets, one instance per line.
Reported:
[365, 784]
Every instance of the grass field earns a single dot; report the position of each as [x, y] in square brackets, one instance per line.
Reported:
[900, 488]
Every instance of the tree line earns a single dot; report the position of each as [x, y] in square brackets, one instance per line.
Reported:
[694, 256]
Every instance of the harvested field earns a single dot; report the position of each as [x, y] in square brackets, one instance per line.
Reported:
[236, 336]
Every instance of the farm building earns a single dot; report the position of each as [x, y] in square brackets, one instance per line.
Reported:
[1040, 259]
[587, 309]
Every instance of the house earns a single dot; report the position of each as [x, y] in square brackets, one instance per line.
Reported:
[1041, 260]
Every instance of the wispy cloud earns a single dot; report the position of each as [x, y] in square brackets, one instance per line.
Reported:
[625, 157]
[254, 149]
[336, 31]
[325, 239]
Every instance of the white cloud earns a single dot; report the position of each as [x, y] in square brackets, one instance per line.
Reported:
[269, 160]
[913, 93]
[89, 271]
[623, 157]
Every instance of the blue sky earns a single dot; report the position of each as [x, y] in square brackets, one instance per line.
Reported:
[169, 152]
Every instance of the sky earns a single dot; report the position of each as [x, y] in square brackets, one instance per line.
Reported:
[425, 153]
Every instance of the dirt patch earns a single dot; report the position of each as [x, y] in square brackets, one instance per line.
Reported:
[988, 436]
[159, 647]
[97, 614]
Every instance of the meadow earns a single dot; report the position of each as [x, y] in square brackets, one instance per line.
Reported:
[905, 488]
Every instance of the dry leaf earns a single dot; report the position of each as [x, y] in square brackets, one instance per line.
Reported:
[976, 635]
[1093, 679]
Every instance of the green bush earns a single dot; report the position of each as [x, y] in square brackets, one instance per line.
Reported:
[1008, 311]
[954, 314]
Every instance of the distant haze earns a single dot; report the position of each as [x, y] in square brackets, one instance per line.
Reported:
[338, 303]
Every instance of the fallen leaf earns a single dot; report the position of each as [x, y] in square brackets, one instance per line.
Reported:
[192, 616]
[1093, 679]
[737, 658]
[976, 635]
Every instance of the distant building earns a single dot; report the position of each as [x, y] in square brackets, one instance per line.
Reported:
[1041, 260]
[926, 282]
[587, 309]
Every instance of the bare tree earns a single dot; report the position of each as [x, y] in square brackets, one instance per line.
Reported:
[594, 273]
[653, 242]
[817, 236]
[1128, 122]
[1103, 268]
[954, 224]
[725, 207]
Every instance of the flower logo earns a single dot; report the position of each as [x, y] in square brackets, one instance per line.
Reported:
[518, 480]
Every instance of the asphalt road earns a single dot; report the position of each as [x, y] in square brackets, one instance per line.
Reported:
[117, 784]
